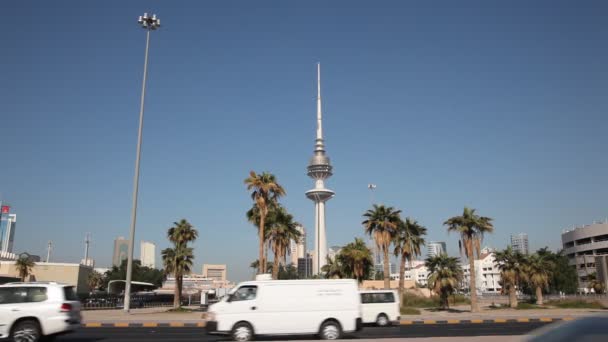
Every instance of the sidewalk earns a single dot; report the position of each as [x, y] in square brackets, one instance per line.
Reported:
[150, 317]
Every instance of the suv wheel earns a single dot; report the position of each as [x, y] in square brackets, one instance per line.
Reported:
[330, 330]
[26, 331]
[382, 320]
[242, 332]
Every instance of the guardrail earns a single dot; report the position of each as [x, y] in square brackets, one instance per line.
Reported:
[137, 302]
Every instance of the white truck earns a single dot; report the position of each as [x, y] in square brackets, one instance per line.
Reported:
[328, 308]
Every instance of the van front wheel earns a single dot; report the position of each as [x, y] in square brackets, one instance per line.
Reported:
[330, 330]
[242, 332]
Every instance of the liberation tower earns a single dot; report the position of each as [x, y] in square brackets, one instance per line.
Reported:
[319, 169]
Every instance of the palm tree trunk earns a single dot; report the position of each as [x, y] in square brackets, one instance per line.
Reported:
[262, 263]
[275, 267]
[539, 295]
[387, 274]
[513, 297]
[472, 278]
[176, 293]
[401, 276]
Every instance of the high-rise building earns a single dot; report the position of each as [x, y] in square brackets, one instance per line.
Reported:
[121, 251]
[8, 225]
[582, 245]
[305, 267]
[215, 272]
[519, 243]
[297, 249]
[147, 254]
[319, 169]
[435, 248]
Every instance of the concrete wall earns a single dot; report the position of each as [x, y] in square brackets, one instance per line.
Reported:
[72, 274]
[379, 284]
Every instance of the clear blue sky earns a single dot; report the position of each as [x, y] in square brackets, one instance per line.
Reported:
[442, 104]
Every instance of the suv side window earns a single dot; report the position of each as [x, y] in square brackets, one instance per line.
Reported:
[69, 293]
[7, 295]
[245, 293]
[36, 294]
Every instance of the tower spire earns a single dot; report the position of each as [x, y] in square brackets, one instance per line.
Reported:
[319, 142]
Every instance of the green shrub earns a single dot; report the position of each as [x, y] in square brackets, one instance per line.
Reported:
[528, 306]
[576, 304]
[415, 301]
[409, 311]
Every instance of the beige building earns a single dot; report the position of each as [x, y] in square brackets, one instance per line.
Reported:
[147, 254]
[215, 272]
[71, 274]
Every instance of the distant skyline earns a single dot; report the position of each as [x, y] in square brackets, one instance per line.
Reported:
[497, 106]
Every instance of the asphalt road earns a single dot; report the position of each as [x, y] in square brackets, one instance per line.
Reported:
[404, 331]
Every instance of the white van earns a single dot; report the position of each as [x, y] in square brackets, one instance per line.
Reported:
[380, 307]
[328, 308]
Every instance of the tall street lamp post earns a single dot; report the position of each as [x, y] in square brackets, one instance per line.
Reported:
[149, 23]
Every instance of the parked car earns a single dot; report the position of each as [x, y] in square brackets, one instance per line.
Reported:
[30, 311]
[380, 307]
[328, 308]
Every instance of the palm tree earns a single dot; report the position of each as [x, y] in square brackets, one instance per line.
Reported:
[333, 269]
[512, 272]
[178, 260]
[356, 259]
[538, 270]
[281, 231]
[471, 228]
[407, 241]
[266, 189]
[24, 266]
[381, 223]
[444, 275]
[94, 280]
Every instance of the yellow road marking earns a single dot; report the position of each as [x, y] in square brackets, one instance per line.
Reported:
[568, 318]
[453, 321]
[200, 324]
[545, 319]
[523, 320]
[93, 325]
[121, 325]
[406, 322]
[150, 325]
[477, 321]
[430, 322]
[500, 320]
[176, 324]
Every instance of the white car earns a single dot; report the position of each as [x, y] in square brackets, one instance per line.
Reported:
[380, 307]
[328, 308]
[29, 311]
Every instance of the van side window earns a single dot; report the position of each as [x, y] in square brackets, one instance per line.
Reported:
[381, 297]
[245, 293]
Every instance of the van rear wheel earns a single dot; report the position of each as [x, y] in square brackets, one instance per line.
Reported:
[330, 330]
[382, 320]
[242, 332]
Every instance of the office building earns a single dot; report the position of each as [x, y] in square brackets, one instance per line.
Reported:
[71, 274]
[8, 225]
[215, 272]
[87, 262]
[147, 254]
[435, 248]
[297, 249]
[305, 267]
[519, 243]
[582, 245]
[601, 265]
[121, 251]
[487, 274]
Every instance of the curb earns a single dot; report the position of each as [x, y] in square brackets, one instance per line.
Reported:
[486, 321]
[402, 322]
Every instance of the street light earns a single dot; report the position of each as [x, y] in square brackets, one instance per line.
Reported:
[148, 23]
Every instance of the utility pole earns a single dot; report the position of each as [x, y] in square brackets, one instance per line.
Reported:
[48, 251]
[87, 241]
